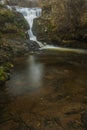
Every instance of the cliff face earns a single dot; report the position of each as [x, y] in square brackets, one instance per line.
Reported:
[63, 20]
[13, 39]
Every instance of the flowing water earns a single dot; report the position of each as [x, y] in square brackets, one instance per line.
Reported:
[32, 13]
[46, 92]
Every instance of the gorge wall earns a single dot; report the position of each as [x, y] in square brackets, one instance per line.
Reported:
[13, 39]
[62, 20]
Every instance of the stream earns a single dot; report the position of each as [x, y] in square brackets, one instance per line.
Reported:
[47, 91]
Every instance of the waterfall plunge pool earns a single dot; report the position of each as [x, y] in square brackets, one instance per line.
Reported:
[44, 88]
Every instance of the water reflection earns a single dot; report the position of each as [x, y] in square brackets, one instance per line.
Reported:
[26, 77]
[35, 72]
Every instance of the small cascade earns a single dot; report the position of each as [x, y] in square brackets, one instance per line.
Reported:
[63, 49]
[9, 7]
[30, 14]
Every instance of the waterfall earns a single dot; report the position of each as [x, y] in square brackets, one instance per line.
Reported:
[30, 14]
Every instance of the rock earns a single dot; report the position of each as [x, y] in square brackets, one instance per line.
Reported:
[33, 46]
[56, 25]
[84, 119]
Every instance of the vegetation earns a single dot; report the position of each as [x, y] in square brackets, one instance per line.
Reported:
[5, 72]
[12, 22]
[67, 18]
[27, 3]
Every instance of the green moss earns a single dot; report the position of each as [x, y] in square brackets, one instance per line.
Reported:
[5, 72]
[3, 75]
[12, 22]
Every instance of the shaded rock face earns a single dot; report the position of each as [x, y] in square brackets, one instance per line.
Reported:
[63, 20]
[33, 46]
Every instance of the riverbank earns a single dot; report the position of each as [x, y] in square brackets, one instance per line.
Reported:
[13, 40]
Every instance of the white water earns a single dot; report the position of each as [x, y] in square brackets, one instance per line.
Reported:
[32, 13]
[63, 49]
[35, 72]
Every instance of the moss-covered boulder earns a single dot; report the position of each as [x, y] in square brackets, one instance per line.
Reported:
[12, 22]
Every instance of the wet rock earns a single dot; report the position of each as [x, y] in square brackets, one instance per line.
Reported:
[84, 119]
[33, 46]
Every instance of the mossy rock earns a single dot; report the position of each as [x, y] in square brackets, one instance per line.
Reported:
[12, 22]
[5, 72]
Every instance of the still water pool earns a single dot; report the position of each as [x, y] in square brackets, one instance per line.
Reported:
[46, 92]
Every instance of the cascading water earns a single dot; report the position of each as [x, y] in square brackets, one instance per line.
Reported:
[63, 49]
[30, 14]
